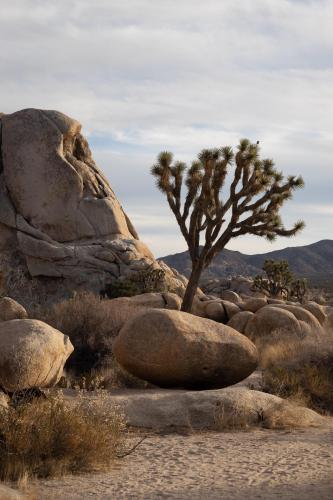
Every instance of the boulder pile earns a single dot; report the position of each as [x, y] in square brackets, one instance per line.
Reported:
[260, 316]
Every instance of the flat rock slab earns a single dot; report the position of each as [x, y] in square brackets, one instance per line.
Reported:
[167, 410]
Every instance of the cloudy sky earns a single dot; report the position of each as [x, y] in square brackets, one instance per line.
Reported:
[144, 76]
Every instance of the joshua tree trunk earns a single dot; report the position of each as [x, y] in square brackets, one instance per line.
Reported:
[192, 286]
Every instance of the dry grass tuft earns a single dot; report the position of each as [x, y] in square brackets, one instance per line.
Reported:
[49, 437]
[301, 371]
[226, 419]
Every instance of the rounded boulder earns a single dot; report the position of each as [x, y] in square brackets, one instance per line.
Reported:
[317, 310]
[240, 320]
[32, 354]
[272, 319]
[176, 349]
[10, 309]
[254, 304]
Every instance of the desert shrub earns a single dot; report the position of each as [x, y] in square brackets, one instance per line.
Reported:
[120, 288]
[151, 280]
[89, 323]
[300, 370]
[146, 281]
[49, 437]
[227, 419]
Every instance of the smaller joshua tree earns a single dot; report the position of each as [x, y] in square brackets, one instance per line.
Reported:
[250, 206]
[299, 288]
[278, 278]
[280, 281]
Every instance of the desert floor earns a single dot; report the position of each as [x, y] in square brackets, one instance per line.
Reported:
[258, 464]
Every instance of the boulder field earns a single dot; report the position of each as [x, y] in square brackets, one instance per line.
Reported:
[262, 316]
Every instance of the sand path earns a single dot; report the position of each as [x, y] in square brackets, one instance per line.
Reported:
[260, 464]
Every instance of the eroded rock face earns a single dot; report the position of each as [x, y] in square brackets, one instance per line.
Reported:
[175, 349]
[32, 354]
[57, 208]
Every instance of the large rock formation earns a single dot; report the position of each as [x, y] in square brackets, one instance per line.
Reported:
[58, 213]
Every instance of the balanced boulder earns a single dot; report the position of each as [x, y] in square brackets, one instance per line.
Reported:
[176, 349]
[32, 354]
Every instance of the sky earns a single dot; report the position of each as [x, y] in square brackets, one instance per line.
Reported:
[182, 75]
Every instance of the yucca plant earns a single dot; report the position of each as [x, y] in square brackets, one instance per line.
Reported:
[250, 205]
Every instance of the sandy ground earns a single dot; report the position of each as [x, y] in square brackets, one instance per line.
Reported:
[259, 464]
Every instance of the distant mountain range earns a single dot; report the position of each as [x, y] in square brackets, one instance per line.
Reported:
[314, 262]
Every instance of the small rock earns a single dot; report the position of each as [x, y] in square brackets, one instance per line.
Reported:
[230, 308]
[230, 296]
[254, 304]
[215, 311]
[10, 309]
[240, 320]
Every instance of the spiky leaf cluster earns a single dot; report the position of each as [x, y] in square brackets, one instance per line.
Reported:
[250, 205]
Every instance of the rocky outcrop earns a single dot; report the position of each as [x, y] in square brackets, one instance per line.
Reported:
[58, 213]
[32, 354]
[175, 349]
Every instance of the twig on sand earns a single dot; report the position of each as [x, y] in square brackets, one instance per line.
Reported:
[131, 450]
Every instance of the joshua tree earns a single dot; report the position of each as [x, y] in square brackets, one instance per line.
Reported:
[251, 205]
[299, 289]
[278, 279]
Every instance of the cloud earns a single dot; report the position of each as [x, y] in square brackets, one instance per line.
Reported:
[144, 76]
